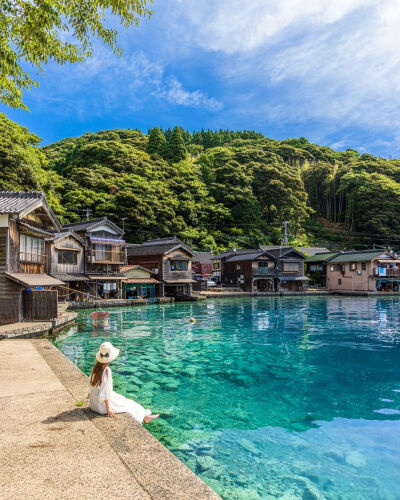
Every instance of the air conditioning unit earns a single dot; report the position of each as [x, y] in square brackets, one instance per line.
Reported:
[359, 272]
[241, 277]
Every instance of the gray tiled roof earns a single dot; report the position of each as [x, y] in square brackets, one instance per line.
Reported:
[63, 234]
[245, 256]
[12, 202]
[157, 247]
[19, 202]
[203, 257]
[84, 224]
[310, 251]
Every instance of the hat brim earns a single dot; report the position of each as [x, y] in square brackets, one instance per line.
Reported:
[113, 354]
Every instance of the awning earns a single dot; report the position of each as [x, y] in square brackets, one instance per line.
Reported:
[70, 277]
[32, 280]
[35, 230]
[97, 277]
[178, 282]
[290, 278]
[139, 281]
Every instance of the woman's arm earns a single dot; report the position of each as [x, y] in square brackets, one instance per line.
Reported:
[110, 413]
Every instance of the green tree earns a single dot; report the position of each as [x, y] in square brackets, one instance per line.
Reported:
[176, 147]
[34, 32]
[157, 143]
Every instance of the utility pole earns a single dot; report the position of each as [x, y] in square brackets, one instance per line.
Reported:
[285, 234]
[88, 213]
[123, 223]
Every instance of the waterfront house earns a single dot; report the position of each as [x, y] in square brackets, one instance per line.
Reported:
[65, 255]
[26, 290]
[105, 255]
[139, 283]
[202, 265]
[218, 265]
[169, 259]
[364, 271]
[316, 268]
[290, 268]
[251, 270]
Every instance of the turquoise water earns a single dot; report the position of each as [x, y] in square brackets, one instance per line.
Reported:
[281, 397]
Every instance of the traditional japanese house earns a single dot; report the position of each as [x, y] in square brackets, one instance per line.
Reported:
[26, 290]
[251, 270]
[290, 268]
[105, 255]
[139, 283]
[364, 271]
[65, 253]
[169, 259]
[316, 268]
[218, 265]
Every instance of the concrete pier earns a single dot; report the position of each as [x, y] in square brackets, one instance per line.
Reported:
[51, 447]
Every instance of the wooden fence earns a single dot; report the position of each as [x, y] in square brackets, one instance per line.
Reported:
[40, 305]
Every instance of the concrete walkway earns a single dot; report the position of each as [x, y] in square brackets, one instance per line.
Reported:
[28, 329]
[51, 448]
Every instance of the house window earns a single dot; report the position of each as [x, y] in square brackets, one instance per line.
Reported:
[292, 267]
[215, 266]
[238, 267]
[332, 267]
[67, 257]
[30, 249]
[363, 266]
[103, 252]
[262, 263]
[339, 281]
[179, 265]
[353, 266]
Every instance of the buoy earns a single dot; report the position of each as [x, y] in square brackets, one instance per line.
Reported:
[192, 320]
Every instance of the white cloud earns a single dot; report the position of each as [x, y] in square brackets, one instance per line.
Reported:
[327, 61]
[128, 82]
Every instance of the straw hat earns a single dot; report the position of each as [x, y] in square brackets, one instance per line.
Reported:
[107, 353]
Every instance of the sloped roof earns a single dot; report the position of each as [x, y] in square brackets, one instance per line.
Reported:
[280, 251]
[249, 256]
[158, 247]
[31, 280]
[321, 257]
[360, 256]
[22, 203]
[64, 234]
[235, 252]
[70, 276]
[90, 225]
[203, 257]
[310, 251]
[124, 269]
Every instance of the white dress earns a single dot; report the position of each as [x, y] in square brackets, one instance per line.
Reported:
[118, 403]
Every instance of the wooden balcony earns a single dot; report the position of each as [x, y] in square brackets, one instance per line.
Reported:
[386, 273]
[32, 258]
[264, 271]
[106, 257]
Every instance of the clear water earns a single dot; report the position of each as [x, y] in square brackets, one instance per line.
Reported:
[282, 397]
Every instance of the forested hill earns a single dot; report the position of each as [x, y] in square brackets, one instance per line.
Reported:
[212, 189]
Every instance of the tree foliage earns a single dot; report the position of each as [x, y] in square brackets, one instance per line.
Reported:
[234, 194]
[36, 31]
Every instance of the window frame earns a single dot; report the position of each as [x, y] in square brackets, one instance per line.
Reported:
[175, 264]
[73, 253]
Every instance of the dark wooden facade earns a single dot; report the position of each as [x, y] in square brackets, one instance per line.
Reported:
[25, 222]
[171, 262]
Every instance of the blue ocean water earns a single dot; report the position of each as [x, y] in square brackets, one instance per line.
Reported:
[265, 398]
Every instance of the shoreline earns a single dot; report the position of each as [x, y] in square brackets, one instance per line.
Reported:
[45, 424]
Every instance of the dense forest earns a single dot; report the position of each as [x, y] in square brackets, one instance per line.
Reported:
[213, 189]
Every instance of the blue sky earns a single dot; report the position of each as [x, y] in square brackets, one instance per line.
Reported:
[325, 70]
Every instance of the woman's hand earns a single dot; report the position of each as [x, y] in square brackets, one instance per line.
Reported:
[110, 413]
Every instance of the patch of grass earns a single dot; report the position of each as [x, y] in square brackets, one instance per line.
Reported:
[79, 403]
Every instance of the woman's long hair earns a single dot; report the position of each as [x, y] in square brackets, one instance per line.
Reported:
[97, 373]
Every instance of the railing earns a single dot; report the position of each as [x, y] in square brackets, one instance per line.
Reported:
[264, 271]
[32, 257]
[106, 256]
[387, 273]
